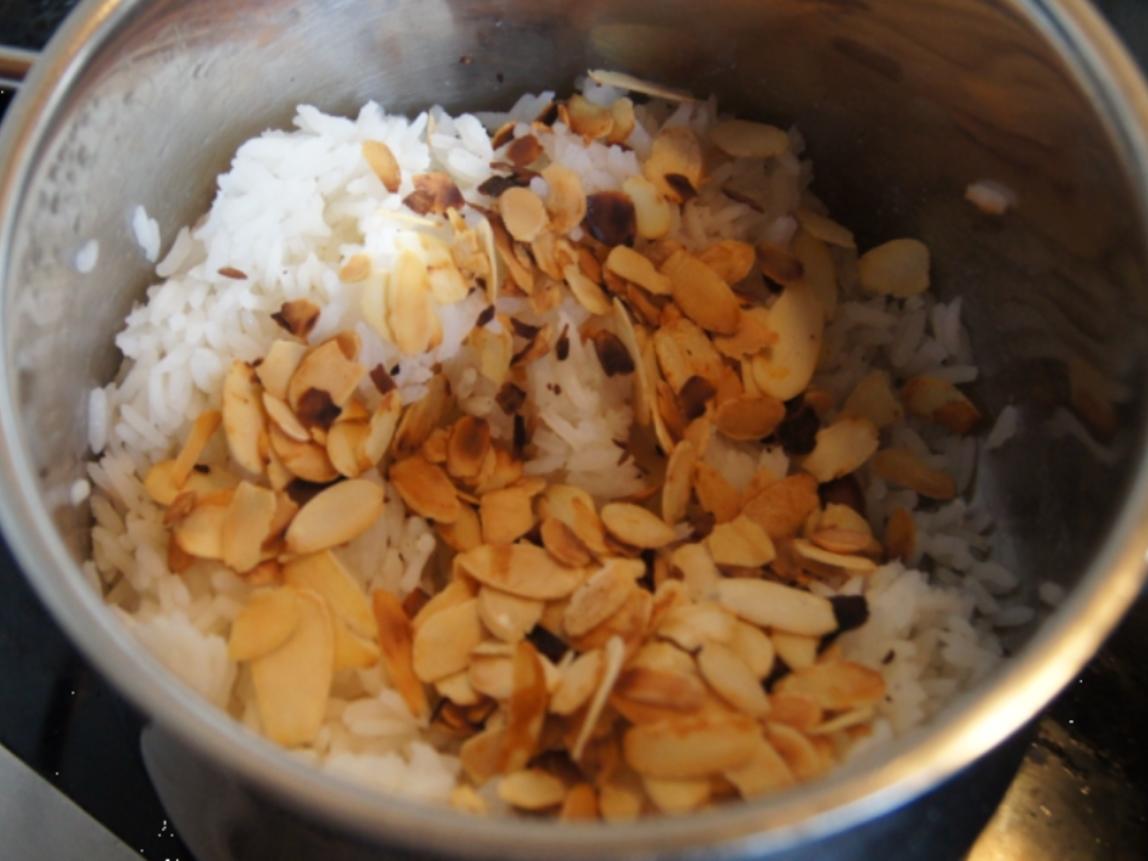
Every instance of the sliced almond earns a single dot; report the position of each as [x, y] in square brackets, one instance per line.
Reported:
[818, 270]
[578, 682]
[465, 533]
[820, 561]
[826, 229]
[305, 460]
[265, 623]
[383, 164]
[798, 751]
[675, 163]
[292, 683]
[744, 139]
[636, 526]
[752, 336]
[435, 192]
[491, 675]
[731, 259]
[836, 685]
[580, 804]
[900, 535]
[692, 625]
[422, 417]
[356, 269]
[741, 542]
[684, 352]
[561, 543]
[247, 524]
[396, 645]
[627, 263]
[565, 199]
[526, 708]
[715, 494]
[754, 647]
[279, 365]
[298, 317]
[202, 429]
[676, 488]
[690, 747]
[725, 672]
[873, 398]
[845, 720]
[699, 573]
[701, 294]
[585, 118]
[323, 574]
[602, 595]
[778, 264]
[620, 802]
[426, 489]
[443, 642]
[531, 789]
[643, 387]
[506, 515]
[523, 213]
[677, 796]
[623, 81]
[323, 383]
[942, 403]
[200, 533]
[798, 320]
[797, 650]
[457, 591]
[480, 754]
[411, 316]
[613, 655]
[897, 268]
[458, 689]
[654, 214]
[345, 448]
[243, 422]
[781, 507]
[468, 445]
[903, 467]
[335, 516]
[284, 418]
[772, 605]
[588, 294]
[748, 418]
[447, 284]
[763, 772]
[524, 570]
[506, 616]
[841, 448]
[353, 651]
[798, 712]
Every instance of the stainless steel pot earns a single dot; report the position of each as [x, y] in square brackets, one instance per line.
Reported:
[904, 103]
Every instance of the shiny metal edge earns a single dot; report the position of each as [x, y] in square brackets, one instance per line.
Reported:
[871, 786]
[15, 63]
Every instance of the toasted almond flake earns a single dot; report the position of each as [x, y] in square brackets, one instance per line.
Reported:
[479, 754]
[531, 789]
[396, 646]
[820, 561]
[200, 533]
[699, 573]
[677, 796]
[464, 799]
[715, 494]
[602, 595]
[731, 259]
[523, 213]
[613, 655]
[421, 417]
[383, 164]
[465, 533]
[202, 430]
[335, 515]
[580, 804]
[458, 591]
[325, 369]
[676, 488]
[683, 351]
[692, 625]
[565, 198]
[435, 192]
[524, 570]
[247, 524]
[752, 336]
[468, 446]
[292, 683]
[701, 294]
[491, 675]
[845, 541]
[690, 747]
[872, 398]
[741, 542]
[323, 574]
[526, 708]
[900, 535]
[942, 403]
[457, 689]
[903, 467]
[447, 284]
[578, 682]
[725, 672]
[654, 214]
[744, 139]
[643, 388]
[506, 515]
[589, 295]
[797, 650]
[841, 448]
[795, 711]
[585, 118]
[836, 685]
[675, 163]
[826, 229]
[356, 269]
[243, 422]
[265, 623]
[523, 151]
[297, 317]
[501, 470]
[754, 647]
[374, 304]
[426, 489]
[160, 483]
[798, 751]
[897, 268]
[411, 313]
[748, 418]
[846, 720]
[772, 605]
[636, 526]
[624, 81]
[627, 263]
[779, 264]
[284, 419]
[306, 460]
[442, 642]
[506, 616]
[783, 506]
[798, 320]
[353, 651]
[819, 270]
[561, 543]
[619, 802]
[765, 771]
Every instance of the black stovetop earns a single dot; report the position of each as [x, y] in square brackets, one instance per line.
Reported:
[1080, 792]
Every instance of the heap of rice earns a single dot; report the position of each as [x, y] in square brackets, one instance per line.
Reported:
[296, 205]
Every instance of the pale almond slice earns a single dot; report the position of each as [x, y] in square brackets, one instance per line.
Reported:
[752, 336]
[284, 418]
[345, 448]
[772, 605]
[627, 263]
[561, 543]
[676, 488]
[644, 386]
[741, 543]
[676, 797]
[426, 489]
[491, 675]
[798, 320]
[324, 381]
[588, 294]
[781, 507]
[265, 623]
[654, 214]
[523, 213]
[324, 575]
[467, 448]
[699, 573]
[411, 317]
[246, 526]
[464, 799]
[818, 270]
[690, 626]
[161, 483]
[732, 679]
[356, 269]
[683, 352]
[620, 801]
[293, 682]
[745, 139]
[305, 460]
[942, 403]
[842, 518]
[797, 650]
[580, 804]
[578, 682]
[602, 595]
[506, 616]
[826, 229]
[817, 560]
[447, 284]
[613, 654]
[352, 651]
[749, 418]
[457, 591]
[243, 422]
[624, 81]
[764, 771]
[565, 198]
[836, 685]
[200, 533]
[897, 268]
[841, 448]
[731, 259]
[422, 417]
[382, 163]
[524, 570]
[798, 751]
[525, 709]
[506, 515]
[900, 535]
[754, 647]
[495, 352]
[903, 467]
[457, 689]
[715, 494]
[690, 747]
[279, 365]
[374, 303]
[442, 643]
[531, 789]
[845, 720]
[586, 118]
[675, 163]
[335, 516]
[702, 295]
[479, 755]
[873, 398]
[636, 526]
[396, 646]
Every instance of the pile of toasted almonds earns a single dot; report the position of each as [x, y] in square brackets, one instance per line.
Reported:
[597, 661]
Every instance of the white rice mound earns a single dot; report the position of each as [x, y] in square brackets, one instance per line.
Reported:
[292, 208]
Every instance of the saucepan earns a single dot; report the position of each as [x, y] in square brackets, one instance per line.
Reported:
[905, 104]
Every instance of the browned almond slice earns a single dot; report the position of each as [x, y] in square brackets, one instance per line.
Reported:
[797, 650]
[507, 616]
[675, 163]
[422, 417]
[479, 754]
[677, 796]
[798, 751]
[683, 351]
[525, 710]
[200, 533]
[297, 317]
[412, 317]
[561, 543]
[731, 259]
[826, 229]
[442, 643]
[352, 651]
[465, 533]
[701, 294]
[620, 801]
[748, 418]
[798, 320]
[845, 541]
[763, 772]
[942, 403]
[841, 448]
[578, 682]
[897, 268]
[649, 695]
[305, 460]
[692, 625]
[383, 164]
[795, 711]
[654, 214]
[636, 526]
[531, 789]
[778, 264]
[458, 689]
[900, 535]
[246, 525]
[292, 683]
[903, 467]
[323, 382]
[468, 446]
[741, 542]
[627, 263]
[820, 561]
[873, 398]
[457, 591]
[565, 199]
[335, 516]
[601, 596]
[772, 605]
[202, 429]
[698, 571]
[435, 192]
[844, 720]
[426, 489]
[161, 484]
[690, 747]
[580, 804]
[524, 570]
[715, 494]
[500, 469]
[754, 647]
[495, 352]
[506, 515]
[463, 798]
[396, 646]
[836, 685]
[265, 623]
[446, 282]
[284, 419]
[523, 213]
[588, 294]
[434, 447]
[783, 506]
[324, 575]
[745, 139]
[586, 118]
[279, 365]
[345, 444]
[676, 488]
[243, 422]
[752, 336]
[613, 655]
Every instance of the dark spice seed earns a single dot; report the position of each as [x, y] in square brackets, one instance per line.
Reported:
[693, 396]
[485, 316]
[547, 643]
[316, 409]
[520, 436]
[612, 353]
[524, 330]
[798, 430]
[851, 611]
[562, 348]
[382, 380]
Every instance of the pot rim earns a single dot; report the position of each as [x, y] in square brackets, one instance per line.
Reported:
[870, 786]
